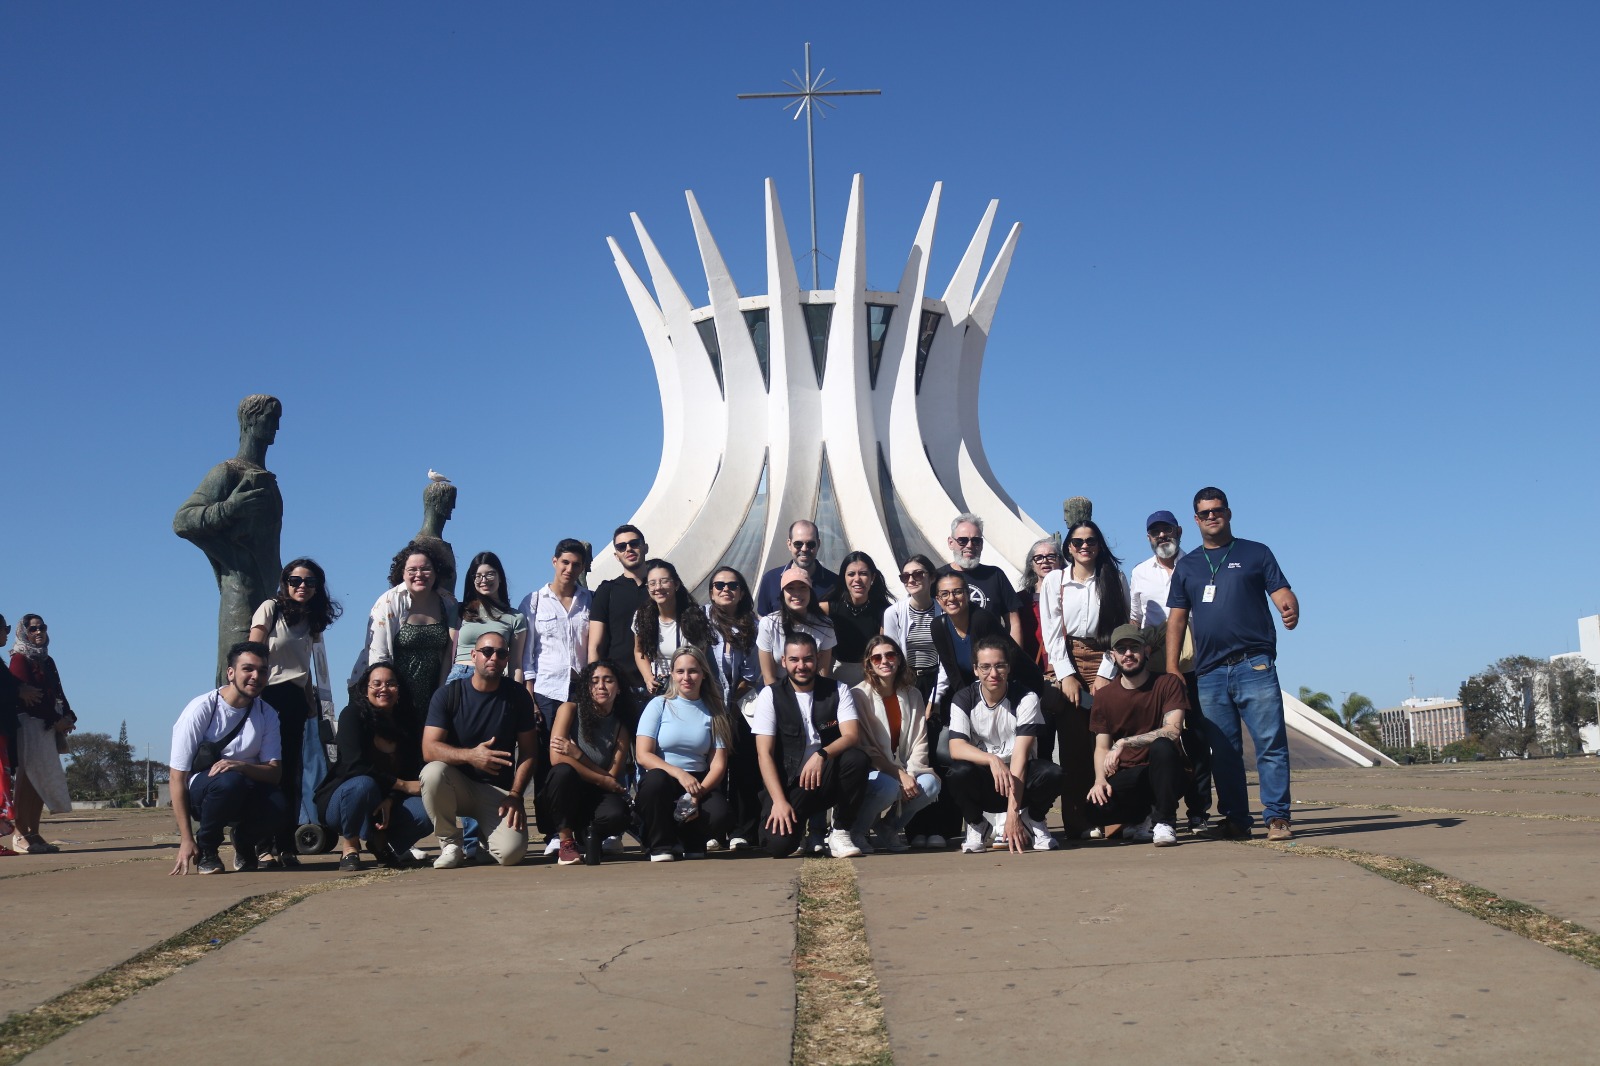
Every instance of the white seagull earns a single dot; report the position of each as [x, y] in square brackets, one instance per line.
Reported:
[434, 475]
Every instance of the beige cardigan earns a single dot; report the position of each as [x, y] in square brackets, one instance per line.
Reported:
[913, 752]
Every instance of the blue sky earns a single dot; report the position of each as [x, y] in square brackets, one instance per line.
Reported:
[1340, 259]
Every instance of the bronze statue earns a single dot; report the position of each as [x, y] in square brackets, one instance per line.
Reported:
[438, 504]
[236, 517]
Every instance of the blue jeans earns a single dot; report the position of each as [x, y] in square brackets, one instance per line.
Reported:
[350, 814]
[458, 672]
[882, 790]
[1246, 692]
[252, 807]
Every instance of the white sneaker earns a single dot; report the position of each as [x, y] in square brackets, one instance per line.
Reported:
[997, 840]
[418, 854]
[1094, 834]
[977, 840]
[1042, 840]
[663, 856]
[1163, 836]
[611, 845]
[862, 843]
[735, 843]
[713, 844]
[450, 856]
[552, 846]
[840, 846]
[936, 842]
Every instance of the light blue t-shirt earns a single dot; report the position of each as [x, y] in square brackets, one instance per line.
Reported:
[682, 730]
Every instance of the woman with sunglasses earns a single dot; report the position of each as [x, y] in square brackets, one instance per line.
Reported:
[894, 734]
[799, 613]
[585, 795]
[485, 608]
[682, 750]
[733, 656]
[909, 623]
[291, 625]
[42, 728]
[1043, 557]
[856, 610]
[413, 626]
[668, 619]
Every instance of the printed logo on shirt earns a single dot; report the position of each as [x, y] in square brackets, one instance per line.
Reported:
[1234, 566]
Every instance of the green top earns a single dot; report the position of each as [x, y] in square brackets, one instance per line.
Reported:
[509, 626]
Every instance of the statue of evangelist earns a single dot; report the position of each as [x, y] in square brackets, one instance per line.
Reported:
[236, 517]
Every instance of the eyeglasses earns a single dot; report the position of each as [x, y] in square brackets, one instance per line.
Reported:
[992, 668]
[494, 653]
[913, 575]
[975, 542]
[885, 656]
[1051, 557]
[628, 545]
[419, 571]
[302, 582]
[1085, 542]
[375, 683]
[950, 594]
[486, 575]
[657, 586]
[1212, 512]
[804, 545]
[727, 586]
[37, 627]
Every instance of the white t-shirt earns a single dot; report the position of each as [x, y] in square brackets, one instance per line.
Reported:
[994, 729]
[769, 638]
[766, 715]
[668, 641]
[290, 646]
[210, 717]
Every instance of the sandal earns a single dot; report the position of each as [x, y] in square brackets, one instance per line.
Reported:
[19, 845]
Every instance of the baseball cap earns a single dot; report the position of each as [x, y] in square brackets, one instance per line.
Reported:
[1127, 631]
[1161, 516]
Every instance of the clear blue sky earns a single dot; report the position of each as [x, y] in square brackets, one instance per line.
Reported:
[1342, 260]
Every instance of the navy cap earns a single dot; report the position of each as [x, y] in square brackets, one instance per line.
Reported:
[1161, 516]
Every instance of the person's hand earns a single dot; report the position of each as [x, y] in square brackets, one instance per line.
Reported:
[410, 788]
[1289, 611]
[222, 766]
[1015, 841]
[691, 784]
[1113, 759]
[909, 789]
[559, 746]
[1072, 689]
[510, 809]
[380, 817]
[780, 820]
[63, 725]
[31, 695]
[187, 853]
[246, 501]
[611, 784]
[488, 758]
[1004, 783]
[1100, 793]
[1099, 683]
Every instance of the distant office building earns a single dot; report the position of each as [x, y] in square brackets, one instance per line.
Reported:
[1434, 721]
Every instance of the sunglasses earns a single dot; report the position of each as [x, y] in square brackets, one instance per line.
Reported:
[1213, 512]
[38, 627]
[914, 575]
[302, 582]
[804, 545]
[628, 545]
[1085, 542]
[968, 541]
[727, 586]
[494, 653]
[885, 657]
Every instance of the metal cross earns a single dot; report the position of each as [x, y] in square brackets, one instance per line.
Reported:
[804, 98]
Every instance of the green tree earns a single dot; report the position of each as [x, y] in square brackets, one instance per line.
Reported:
[1320, 702]
[99, 768]
[1358, 715]
[1499, 705]
[128, 776]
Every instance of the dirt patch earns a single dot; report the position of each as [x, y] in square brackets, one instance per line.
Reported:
[838, 1017]
[1566, 937]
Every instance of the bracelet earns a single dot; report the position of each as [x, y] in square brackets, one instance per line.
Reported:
[824, 753]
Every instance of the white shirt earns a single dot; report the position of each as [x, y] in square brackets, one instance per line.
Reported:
[1070, 608]
[210, 717]
[766, 715]
[994, 729]
[558, 640]
[769, 638]
[1147, 602]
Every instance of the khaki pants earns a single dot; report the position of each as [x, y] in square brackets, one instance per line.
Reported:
[447, 792]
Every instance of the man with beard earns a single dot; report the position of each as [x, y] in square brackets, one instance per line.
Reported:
[804, 543]
[1138, 759]
[1149, 584]
[987, 585]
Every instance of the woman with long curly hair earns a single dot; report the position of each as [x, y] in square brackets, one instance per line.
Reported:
[731, 613]
[668, 619]
[682, 749]
[584, 793]
[413, 626]
[291, 625]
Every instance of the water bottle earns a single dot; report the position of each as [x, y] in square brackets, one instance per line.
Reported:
[685, 809]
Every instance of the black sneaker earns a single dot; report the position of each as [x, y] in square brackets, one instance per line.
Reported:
[350, 861]
[1226, 829]
[210, 864]
[289, 860]
[246, 862]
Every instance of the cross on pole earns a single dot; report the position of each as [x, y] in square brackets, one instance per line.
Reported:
[805, 97]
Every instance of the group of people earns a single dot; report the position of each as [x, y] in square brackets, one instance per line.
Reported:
[806, 713]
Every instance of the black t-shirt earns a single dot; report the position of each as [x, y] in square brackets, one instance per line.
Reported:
[853, 629]
[499, 716]
[989, 588]
[615, 603]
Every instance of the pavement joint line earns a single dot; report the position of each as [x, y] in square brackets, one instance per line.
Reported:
[25, 1032]
[1526, 921]
[80, 866]
[1523, 815]
[838, 1013]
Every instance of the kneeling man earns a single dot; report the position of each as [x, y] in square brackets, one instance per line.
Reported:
[994, 725]
[1139, 765]
[806, 740]
[473, 724]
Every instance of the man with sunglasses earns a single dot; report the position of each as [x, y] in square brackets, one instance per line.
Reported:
[611, 614]
[804, 543]
[1137, 721]
[1221, 593]
[987, 585]
[479, 742]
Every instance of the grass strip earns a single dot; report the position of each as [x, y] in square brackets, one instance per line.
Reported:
[1524, 815]
[26, 1032]
[838, 1016]
[1569, 938]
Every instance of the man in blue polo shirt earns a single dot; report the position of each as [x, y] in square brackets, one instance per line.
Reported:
[1221, 593]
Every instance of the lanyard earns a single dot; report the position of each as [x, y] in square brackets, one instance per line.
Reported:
[1218, 567]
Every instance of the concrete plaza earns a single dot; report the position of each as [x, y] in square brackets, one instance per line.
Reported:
[1210, 950]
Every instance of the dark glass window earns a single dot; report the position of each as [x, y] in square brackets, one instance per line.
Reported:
[818, 318]
[877, 328]
[904, 536]
[830, 524]
[744, 553]
[930, 326]
[708, 337]
[757, 322]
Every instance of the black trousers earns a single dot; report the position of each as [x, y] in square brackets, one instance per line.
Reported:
[1075, 755]
[1197, 797]
[570, 802]
[658, 792]
[972, 787]
[843, 786]
[1150, 788]
[744, 781]
[293, 705]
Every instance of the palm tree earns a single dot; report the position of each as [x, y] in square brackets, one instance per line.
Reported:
[1320, 702]
[1359, 716]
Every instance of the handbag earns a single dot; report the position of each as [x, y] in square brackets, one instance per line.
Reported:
[207, 752]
